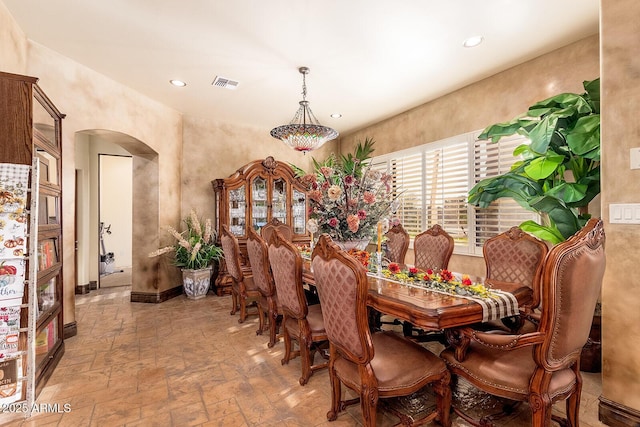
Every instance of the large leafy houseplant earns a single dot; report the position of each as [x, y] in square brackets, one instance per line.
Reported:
[559, 173]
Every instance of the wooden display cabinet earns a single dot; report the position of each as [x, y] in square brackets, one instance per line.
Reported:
[32, 129]
[257, 193]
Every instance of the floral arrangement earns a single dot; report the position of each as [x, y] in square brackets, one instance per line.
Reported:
[194, 248]
[444, 281]
[347, 198]
[362, 256]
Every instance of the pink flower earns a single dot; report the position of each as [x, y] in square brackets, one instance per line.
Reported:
[369, 197]
[308, 180]
[362, 214]
[352, 203]
[348, 180]
[333, 222]
[354, 223]
[315, 195]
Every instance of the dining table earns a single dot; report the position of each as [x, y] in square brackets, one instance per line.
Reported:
[432, 310]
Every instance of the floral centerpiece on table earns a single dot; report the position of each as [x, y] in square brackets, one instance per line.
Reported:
[195, 247]
[443, 280]
[347, 198]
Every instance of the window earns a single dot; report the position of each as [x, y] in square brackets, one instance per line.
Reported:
[432, 182]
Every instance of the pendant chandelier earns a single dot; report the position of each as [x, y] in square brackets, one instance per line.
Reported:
[304, 132]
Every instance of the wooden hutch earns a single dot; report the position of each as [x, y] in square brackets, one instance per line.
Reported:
[257, 193]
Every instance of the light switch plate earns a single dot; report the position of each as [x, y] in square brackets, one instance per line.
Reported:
[634, 157]
[624, 213]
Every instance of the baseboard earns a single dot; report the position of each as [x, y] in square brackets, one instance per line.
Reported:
[93, 285]
[155, 298]
[70, 330]
[614, 414]
[83, 289]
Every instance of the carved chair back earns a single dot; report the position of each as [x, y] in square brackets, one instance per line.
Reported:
[342, 285]
[571, 285]
[286, 267]
[258, 253]
[517, 257]
[276, 225]
[231, 251]
[397, 243]
[433, 248]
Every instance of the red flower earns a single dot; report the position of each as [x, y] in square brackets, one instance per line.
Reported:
[348, 180]
[362, 214]
[333, 222]
[466, 281]
[413, 270]
[446, 275]
[394, 268]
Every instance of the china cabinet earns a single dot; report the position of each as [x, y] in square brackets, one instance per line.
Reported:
[256, 194]
[32, 130]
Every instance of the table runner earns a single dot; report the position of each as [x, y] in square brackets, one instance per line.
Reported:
[501, 303]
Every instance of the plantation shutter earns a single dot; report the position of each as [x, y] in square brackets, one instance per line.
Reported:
[493, 159]
[407, 173]
[446, 186]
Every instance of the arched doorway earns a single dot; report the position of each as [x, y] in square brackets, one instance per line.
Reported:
[89, 144]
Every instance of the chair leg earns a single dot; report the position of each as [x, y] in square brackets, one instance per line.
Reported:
[443, 399]
[243, 309]
[336, 394]
[261, 320]
[540, 412]
[234, 301]
[273, 326]
[369, 405]
[305, 360]
[287, 345]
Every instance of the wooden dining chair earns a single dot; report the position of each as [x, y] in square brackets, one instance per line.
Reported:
[397, 244]
[374, 365]
[300, 322]
[276, 225]
[543, 366]
[258, 253]
[244, 292]
[515, 257]
[433, 249]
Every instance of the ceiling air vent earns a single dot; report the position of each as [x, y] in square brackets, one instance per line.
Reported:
[224, 82]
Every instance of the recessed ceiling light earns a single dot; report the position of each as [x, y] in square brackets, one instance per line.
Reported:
[336, 115]
[178, 83]
[472, 41]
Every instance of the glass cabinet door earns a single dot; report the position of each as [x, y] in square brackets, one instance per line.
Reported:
[259, 203]
[237, 211]
[299, 212]
[279, 200]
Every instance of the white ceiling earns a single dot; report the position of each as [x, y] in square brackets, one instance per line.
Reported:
[369, 59]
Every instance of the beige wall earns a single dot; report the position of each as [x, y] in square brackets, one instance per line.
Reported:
[215, 150]
[620, 132]
[495, 99]
[13, 44]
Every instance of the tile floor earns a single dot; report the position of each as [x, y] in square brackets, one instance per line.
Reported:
[189, 363]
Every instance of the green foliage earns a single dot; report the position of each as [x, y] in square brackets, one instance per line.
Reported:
[560, 171]
[195, 247]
